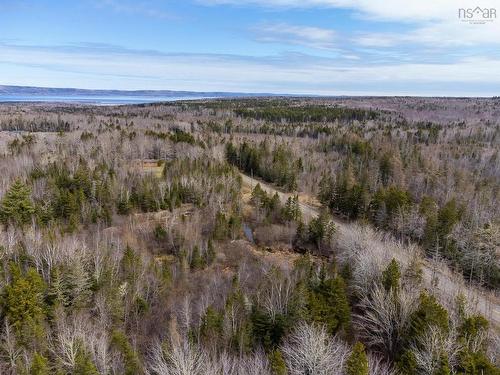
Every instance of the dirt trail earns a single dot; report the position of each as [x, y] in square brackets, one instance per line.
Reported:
[436, 276]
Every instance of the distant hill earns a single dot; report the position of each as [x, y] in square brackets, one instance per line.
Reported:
[73, 92]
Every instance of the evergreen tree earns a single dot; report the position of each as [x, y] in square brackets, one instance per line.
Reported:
[448, 216]
[357, 363]
[23, 303]
[39, 365]
[16, 205]
[221, 229]
[231, 154]
[443, 366]
[328, 304]
[236, 312]
[277, 363]
[79, 285]
[385, 168]
[266, 331]
[131, 264]
[196, 259]
[407, 363]
[160, 232]
[429, 313]
[321, 229]
[476, 363]
[291, 211]
[57, 294]
[211, 254]
[472, 327]
[391, 276]
[84, 364]
[234, 225]
[211, 326]
[130, 358]
[326, 190]
[124, 205]
[259, 196]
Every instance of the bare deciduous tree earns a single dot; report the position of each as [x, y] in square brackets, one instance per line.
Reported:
[432, 345]
[10, 350]
[310, 350]
[385, 318]
[277, 294]
[377, 366]
[177, 359]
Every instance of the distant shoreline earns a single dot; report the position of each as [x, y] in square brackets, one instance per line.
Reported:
[98, 100]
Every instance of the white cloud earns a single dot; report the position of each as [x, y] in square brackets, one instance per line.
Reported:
[308, 36]
[135, 8]
[438, 34]
[414, 10]
[89, 68]
[432, 22]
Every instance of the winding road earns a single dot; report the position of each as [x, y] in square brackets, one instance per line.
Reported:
[436, 276]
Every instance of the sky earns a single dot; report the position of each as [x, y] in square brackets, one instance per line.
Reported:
[323, 47]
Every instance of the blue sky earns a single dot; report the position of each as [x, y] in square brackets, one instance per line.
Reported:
[334, 47]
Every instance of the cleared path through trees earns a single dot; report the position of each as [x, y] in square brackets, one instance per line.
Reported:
[437, 276]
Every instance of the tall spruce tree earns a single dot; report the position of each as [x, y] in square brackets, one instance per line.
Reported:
[357, 363]
[391, 276]
[16, 206]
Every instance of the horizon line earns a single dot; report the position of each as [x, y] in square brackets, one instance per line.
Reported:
[254, 93]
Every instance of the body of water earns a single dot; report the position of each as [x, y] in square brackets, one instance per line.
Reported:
[100, 100]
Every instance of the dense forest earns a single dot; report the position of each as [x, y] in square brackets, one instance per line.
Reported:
[356, 236]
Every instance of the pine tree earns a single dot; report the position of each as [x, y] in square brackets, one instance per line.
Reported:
[321, 229]
[476, 363]
[357, 363]
[407, 363]
[211, 254]
[160, 233]
[211, 325]
[328, 304]
[391, 276]
[385, 168]
[443, 367]
[130, 264]
[16, 206]
[291, 211]
[234, 224]
[267, 332]
[23, 303]
[39, 365]
[472, 327]
[221, 229]
[79, 284]
[326, 187]
[259, 196]
[196, 259]
[84, 364]
[130, 358]
[277, 363]
[429, 313]
[448, 216]
[57, 293]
